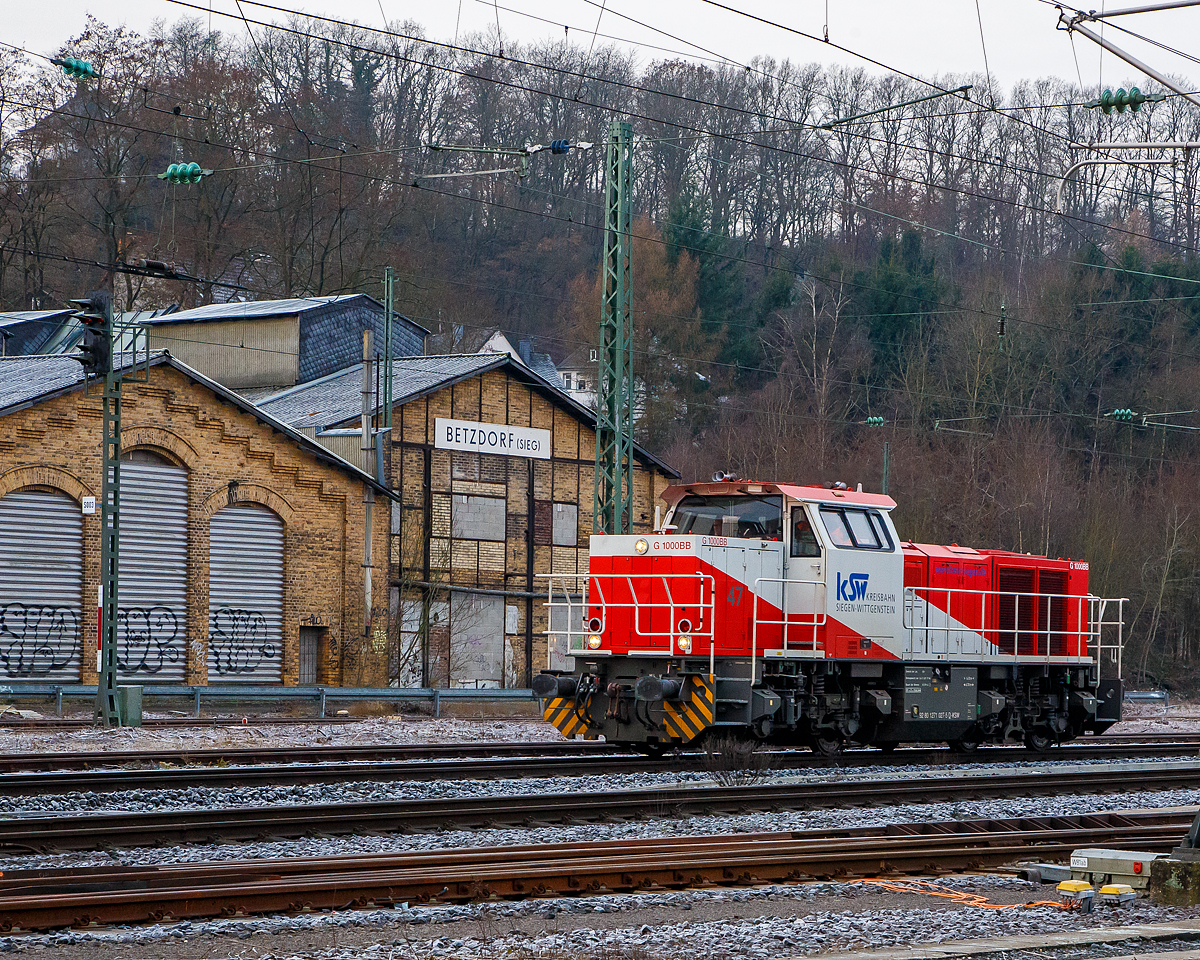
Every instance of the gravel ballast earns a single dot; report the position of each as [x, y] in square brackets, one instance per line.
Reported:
[732, 924]
[649, 829]
[157, 800]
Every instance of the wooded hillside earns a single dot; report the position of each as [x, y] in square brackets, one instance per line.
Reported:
[793, 276]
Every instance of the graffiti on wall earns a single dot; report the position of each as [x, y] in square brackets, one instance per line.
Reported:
[238, 640]
[37, 639]
[148, 636]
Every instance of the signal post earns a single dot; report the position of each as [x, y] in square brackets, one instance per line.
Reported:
[95, 315]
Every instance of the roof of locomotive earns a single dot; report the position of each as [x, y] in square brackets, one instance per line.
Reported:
[944, 551]
[956, 552]
[811, 493]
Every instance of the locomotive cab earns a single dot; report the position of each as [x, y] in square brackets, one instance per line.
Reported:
[796, 614]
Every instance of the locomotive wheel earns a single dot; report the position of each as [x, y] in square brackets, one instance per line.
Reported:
[1039, 740]
[968, 744]
[827, 747]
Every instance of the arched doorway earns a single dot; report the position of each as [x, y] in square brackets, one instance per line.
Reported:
[41, 586]
[245, 595]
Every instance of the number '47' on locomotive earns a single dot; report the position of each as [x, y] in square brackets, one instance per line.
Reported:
[797, 614]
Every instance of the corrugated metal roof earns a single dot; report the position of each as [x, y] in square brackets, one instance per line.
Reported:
[255, 308]
[338, 397]
[24, 378]
[9, 318]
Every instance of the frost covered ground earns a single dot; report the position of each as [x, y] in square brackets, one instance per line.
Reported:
[727, 924]
[367, 731]
[1151, 719]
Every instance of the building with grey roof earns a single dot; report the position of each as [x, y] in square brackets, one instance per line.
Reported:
[540, 363]
[249, 553]
[49, 332]
[26, 332]
[493, 468]
[260, 347]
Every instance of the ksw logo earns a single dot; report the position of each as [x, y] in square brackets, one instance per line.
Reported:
[854, 587]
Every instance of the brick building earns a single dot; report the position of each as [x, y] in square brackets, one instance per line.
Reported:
[242, 540]
[493, 466]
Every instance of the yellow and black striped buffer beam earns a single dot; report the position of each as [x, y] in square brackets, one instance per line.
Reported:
[560, 711]
[688, 716]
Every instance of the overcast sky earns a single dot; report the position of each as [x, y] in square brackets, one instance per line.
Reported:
[922, 37]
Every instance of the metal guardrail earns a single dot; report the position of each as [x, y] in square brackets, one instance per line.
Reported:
[1148, 696]
[321, 695]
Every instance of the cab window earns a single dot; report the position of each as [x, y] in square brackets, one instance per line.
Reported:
[804, 540]
[860, 526]
[856, 529]
[750, 517]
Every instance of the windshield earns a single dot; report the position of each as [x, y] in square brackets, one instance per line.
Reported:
[760, 517]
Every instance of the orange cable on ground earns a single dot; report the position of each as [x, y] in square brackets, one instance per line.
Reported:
[957, 896]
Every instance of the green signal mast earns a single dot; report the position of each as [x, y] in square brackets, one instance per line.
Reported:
[106, 369]
[612, 511]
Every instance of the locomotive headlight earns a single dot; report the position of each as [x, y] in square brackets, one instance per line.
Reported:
[593, 641]
[641, 546]
[685, 643]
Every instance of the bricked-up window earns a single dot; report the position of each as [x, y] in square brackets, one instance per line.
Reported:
[464, 465]
[477, 518]
[543, 523]
[566, 525]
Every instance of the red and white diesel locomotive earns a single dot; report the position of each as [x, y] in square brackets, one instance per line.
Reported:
[797, 614]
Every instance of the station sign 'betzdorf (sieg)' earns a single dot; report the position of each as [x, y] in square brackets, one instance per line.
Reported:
[497, 438]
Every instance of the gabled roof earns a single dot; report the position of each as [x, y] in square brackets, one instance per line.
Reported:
[539, 363]
[336, 400]
[25, 381]
[25, 378]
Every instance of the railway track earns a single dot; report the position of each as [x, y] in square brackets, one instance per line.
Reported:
[104, 772]
[46, 899]
[209, 825]
[45, 724]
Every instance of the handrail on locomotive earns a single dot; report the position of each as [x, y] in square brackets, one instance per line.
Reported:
[575, 601]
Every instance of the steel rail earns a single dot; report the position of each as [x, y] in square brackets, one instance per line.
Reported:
[46, 899]
[208, 825]
[49, 773]
[214, 756]
[42, 724]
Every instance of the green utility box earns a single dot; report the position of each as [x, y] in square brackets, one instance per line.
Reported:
[129, 703]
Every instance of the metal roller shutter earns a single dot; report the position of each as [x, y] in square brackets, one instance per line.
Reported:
[152, 574]
[245, 596]
[41, 584]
